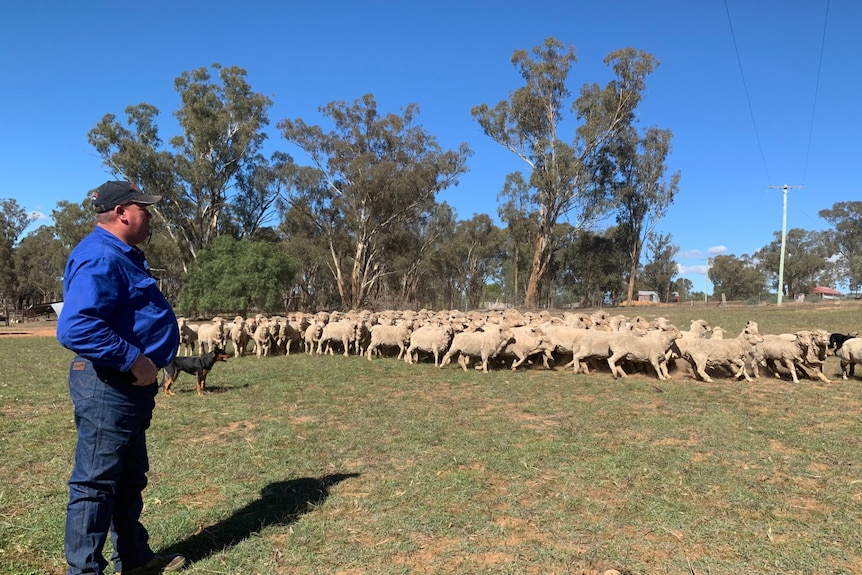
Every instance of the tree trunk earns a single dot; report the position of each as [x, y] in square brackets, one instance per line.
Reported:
[631, 287]
[537, 270]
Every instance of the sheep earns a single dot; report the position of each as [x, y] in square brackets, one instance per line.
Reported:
[788, 349]
[288, 336]
[342, 331]
[850, 353]
[240, 336]
[651, 347]
[717, 332]
[429, 338]
[482, 344]
[816, 356]
[188, 337]
[390, 335]
[698, 329]
[312, 336]
[262, 338]
[595, 344]
[836, 340]
[704, 353]
[526, 341]
[211, 334]
[562, 338]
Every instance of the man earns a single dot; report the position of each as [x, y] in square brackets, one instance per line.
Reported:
[122, 331]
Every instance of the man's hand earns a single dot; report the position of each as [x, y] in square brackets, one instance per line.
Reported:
[145, 371]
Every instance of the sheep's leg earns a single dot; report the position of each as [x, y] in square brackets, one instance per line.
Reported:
[741, 371]
[791, 367]
[700, 368]
[518, 361]
[658, 369]
[612, 363]
[446, 359]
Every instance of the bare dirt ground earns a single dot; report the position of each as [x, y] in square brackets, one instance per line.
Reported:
[30, 329]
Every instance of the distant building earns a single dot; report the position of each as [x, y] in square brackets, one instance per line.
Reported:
[827, 293]
[648, 297]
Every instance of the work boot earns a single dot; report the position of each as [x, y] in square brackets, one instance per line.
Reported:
[158, 564]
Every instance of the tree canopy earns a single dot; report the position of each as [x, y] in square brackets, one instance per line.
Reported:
[372, 174]
[561, 172]
[236, 276]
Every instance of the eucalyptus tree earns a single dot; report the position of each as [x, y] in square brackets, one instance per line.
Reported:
[561, 173]
[592, 265]
[14, 219]
[372, 173]
[412, 253]
[659, 270]
[39, 263]
[72, 222]
[314, 287]
[521, 219]
[845, 239]
[221, 123]
[641, 192]
[476, 252]
[237, 276]
[737, 278]
[805, 258]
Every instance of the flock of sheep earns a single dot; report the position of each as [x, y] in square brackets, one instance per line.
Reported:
[511, 338]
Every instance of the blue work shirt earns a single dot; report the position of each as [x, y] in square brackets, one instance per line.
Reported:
[113, 310]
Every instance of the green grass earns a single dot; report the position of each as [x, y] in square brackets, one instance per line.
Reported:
[310, 464]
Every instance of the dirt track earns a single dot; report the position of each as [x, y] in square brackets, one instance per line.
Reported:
[34, 329]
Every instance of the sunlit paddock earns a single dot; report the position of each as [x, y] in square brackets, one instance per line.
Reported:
[326, 464]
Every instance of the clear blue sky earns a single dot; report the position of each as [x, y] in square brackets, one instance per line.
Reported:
[777, 106]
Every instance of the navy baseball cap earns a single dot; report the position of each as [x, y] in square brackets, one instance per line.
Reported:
[111, 194]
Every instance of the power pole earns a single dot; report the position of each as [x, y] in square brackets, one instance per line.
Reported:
[785, 187]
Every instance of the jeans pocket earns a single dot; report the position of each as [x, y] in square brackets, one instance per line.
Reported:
[82, 379]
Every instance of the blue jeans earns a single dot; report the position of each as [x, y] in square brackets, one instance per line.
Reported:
[110, 472]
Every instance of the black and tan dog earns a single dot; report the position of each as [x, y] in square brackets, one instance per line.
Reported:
[199, 366]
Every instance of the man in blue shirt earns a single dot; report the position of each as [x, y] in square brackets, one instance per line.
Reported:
[122, 330]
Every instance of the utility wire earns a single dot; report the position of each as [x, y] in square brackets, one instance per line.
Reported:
[745, 87]
[816, 90]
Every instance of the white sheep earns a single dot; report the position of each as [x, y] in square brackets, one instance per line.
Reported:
[312, 336]
[705, 353]
[342, 331]
[429, 338]
[562, 338]
[390, 336]
[262, 338]
[210, 335]
[850, 354]
[593, 345]
[480, 344]
[240, 336]
[526, 341]
[787, 349]
[652, 347]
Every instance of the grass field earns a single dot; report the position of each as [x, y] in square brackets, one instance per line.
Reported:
[317, 464]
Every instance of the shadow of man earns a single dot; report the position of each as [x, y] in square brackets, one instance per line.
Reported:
[280, 503]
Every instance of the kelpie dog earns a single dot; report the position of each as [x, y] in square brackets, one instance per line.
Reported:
[198, 366]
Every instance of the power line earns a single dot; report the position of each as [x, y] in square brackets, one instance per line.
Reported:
[816, 90]
[745, 87]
